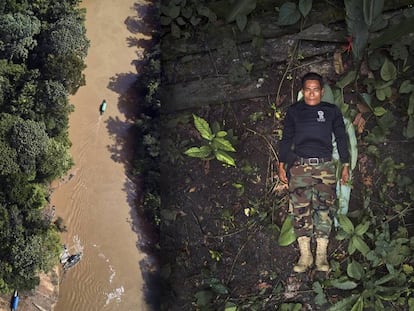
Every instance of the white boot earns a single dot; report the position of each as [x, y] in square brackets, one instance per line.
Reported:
[306, 258]
[321, 249]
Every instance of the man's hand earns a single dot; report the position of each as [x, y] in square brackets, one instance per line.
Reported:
[282, 173]
[345, 175]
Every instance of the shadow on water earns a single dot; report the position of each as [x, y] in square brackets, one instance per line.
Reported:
[124, 148]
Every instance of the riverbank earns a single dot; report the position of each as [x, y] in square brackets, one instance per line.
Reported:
[44, 296]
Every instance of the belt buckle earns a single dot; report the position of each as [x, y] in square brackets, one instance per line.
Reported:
[313, 161]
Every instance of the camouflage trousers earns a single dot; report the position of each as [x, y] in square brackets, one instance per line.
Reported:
[312, 195]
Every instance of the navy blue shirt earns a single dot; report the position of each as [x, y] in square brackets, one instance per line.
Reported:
[307, 132]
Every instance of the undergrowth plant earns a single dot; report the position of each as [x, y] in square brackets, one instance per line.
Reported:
[216, 144]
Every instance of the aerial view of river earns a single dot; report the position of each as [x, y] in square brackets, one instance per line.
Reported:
[97, 200]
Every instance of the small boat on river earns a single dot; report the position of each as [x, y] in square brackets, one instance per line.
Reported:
[102, 107]
[72, 260]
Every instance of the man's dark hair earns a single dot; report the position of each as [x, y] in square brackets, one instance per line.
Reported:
[312, 76]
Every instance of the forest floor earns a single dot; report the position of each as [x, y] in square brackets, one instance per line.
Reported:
[220, 224]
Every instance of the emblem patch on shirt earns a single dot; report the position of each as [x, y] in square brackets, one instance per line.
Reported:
[321, 116]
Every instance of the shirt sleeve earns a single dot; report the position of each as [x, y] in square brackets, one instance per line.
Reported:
[341, 136]
[286, 153]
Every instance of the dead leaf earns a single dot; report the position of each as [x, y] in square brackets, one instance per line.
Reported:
[359, 122]
[338, 64]
[263, 285]
[206, 167]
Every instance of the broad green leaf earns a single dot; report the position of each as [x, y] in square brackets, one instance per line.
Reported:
[388, 71]
[241, 21]
[328, 95]
[344, 304]
[223, 144]
[385, 279]
[224, 157]
[288, 14]
[203, 127]
[304, 7]
[165, 20]
[196, 152]
[360, 245]
[187, 12]
[362, 228]
[254, 29]
[287, 234]
[379, 111]
[409, 133]
[349, 77]
[346, 224]
[359, 305]
[355, 270]
[320, 298]
[372, 10]
[345, 285]
[230, 306]
[351, 247]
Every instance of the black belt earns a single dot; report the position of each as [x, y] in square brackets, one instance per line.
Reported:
[313, 161]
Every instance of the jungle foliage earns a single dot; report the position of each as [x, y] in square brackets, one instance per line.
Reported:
[42, 49]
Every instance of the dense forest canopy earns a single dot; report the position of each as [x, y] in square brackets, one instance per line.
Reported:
[42, 49]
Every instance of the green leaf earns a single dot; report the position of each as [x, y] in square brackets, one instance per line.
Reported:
[385, 279]
[196, 152]
[372, 10]
[230, 306]
[406, 87]
[254, 28]
[388, 71]
[165, 20]
[359, 305]
[380, 111]
[360, 245]
[223, 144]
[345, 285]
[320, 298]
[305, 6]
[203, 127]
[349, 77]
[221, 134]
[241, 21]
[362, 228]
[345, 303]
[175, 30]
[351, 247]
[288, 14]
[355, 270]
[224, 157]
[346, 224]
[287, 234]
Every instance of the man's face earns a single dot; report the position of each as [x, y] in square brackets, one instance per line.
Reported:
[312, 92]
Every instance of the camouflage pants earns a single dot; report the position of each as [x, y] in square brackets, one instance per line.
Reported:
[312, 193]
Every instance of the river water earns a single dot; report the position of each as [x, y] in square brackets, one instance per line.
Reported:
[97, 200]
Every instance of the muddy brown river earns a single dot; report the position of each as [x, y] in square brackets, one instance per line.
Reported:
[96, 199]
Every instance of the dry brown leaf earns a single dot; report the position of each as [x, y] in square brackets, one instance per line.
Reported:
[263, 285]
[338, 64]
[359, 122]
